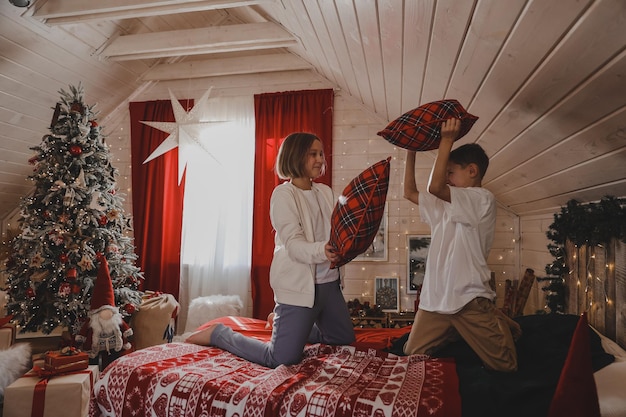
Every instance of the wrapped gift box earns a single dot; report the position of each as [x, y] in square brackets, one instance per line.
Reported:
[66, 361]
[60, 395]
[7, 335]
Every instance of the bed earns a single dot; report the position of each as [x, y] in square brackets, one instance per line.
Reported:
[369, 378]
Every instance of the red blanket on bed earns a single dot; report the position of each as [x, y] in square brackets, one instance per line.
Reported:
[181, 379]
[365, 338]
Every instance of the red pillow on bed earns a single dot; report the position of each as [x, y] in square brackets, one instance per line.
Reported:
[420, 128]
[359, 210]
[576, 394]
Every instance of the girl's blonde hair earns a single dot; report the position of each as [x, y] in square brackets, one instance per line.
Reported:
[292, 154]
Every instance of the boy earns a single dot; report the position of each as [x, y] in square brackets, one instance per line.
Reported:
[456, 299]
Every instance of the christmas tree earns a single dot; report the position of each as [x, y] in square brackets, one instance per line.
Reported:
[74, 216]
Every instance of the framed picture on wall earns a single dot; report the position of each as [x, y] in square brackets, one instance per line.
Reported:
[387, 293]
[416, 262]
[377, 251]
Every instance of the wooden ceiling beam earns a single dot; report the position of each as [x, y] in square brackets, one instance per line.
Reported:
[64, 12]
[207, 40]
[227, 66]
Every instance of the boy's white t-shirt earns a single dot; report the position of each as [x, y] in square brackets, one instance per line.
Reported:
[461, 236]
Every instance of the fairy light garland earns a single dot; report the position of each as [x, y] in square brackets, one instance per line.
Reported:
[592, 226]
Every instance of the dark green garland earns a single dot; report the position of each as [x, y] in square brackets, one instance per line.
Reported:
[585, 224]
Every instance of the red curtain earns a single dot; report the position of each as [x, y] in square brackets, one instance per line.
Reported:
[157, 198]
[276, 116]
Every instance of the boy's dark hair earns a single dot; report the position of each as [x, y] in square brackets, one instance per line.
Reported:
[292, 153]
[471, 153]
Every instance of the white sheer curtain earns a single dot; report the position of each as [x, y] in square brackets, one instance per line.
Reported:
[217, 215]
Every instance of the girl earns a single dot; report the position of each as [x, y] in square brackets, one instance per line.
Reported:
[309, 303]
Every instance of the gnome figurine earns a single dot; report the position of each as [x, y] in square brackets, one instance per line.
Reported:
[104, 329]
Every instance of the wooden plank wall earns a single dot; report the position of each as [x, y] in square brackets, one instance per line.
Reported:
[597, 285]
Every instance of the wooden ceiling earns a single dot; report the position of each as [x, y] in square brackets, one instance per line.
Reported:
[546, 77]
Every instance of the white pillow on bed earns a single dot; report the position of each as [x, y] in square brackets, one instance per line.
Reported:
[610, 386]
[14, 362]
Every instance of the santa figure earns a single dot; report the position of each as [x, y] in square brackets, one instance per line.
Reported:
[104, 330]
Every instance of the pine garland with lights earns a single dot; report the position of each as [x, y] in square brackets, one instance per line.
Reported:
[74, 215]
[585, 224]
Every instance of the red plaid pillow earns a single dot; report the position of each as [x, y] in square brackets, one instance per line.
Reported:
[420, 128]
[357, 215]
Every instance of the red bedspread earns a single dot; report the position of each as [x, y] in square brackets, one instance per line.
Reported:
[365, 338]
[180, 379]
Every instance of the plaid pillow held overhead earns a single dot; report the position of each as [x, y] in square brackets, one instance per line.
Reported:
[359, 210]
[420, 128]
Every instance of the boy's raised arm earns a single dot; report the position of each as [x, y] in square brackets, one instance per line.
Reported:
[438, 182]
[410, 187]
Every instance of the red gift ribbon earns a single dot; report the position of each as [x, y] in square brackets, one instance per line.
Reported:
[39, 395]
[154, 294]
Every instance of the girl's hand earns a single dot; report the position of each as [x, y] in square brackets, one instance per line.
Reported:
[330, 253]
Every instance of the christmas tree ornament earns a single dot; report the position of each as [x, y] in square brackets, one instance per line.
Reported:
[68, 198]
[71, 273]
[186, 133]
[65, 289]
[113, 215]
[36, 260]
[76, 150]
[95, 202]
[86, 263]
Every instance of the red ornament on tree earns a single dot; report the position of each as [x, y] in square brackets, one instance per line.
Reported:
[103, 220]
[64, 258]
[30, 292]
[75, 289]
[76, 150]
[71, 273]
[130, 308]
[93, 123]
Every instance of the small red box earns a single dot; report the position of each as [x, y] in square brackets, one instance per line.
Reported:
[61, 361]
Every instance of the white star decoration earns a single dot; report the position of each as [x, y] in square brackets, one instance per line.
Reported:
[186, 133]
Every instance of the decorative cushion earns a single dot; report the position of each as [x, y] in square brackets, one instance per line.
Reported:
[576, 393]
[359, 210]
[420, 128]
[206, 308]
[14, 362]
